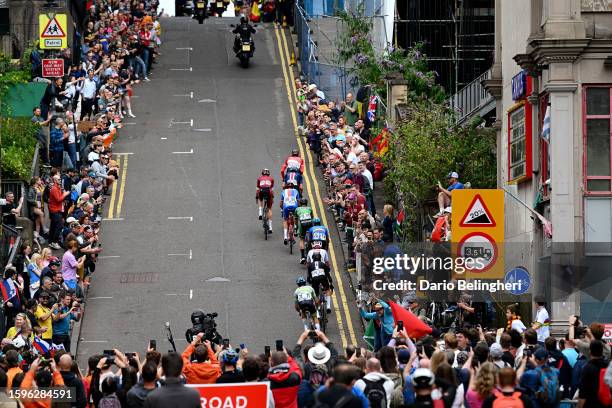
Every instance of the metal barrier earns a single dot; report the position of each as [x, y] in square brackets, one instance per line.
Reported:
[472, 98]
[15, 186]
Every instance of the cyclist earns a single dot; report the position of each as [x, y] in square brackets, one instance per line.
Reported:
[303, 220]
[292, 174]
[320, 279]
[317, 248]
[288, 203]
[305, 302]
[293, 162]
[265, 184]
[318, 232]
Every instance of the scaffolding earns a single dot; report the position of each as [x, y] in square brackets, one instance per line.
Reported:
[457, 35]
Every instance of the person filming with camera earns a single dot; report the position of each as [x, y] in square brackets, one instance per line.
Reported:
[200, 365]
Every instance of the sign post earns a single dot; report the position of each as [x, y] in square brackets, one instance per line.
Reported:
[478, 231]
[52, 67]
[52, 30]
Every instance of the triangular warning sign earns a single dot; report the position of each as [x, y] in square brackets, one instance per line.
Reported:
[477, 215]
[53, 29]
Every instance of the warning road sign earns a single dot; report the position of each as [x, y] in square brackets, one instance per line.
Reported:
[477, 215]
[52, 31]
[478, 230]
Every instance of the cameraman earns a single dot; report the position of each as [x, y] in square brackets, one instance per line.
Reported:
[205, 368]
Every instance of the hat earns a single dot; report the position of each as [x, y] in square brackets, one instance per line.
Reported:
[377, 306]
[422, 378]
[496, 351]
[319, 354]
[93, 156]
[541, 354]
[19, 342]
[448, 210]
[311, 87]
[453, 174]
[70, 220]
[403, 356]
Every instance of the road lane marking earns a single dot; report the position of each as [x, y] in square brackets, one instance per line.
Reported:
[185, 48]
[181, 218]
[99, 297]
[190, 293]
[337, 303]
[108, 256]
[112, 219]
[123, 153]
[189, 152]
[189, 95]
[202, 130]
[207, 101]
[172, 122]
[93, 341]
[190, 69]
[189, 255]
[111, 207]
[310, 165]
[122, 187]
[129, 123]
[163, 138]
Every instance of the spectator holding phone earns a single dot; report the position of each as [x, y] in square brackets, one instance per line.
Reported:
[200, 364]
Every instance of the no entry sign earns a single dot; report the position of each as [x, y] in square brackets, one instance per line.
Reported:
[52, 67]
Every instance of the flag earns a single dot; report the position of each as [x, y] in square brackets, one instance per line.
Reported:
[414, 326]
[10, 293]
[372, 107]
[41, 346]
[546, 126]
[380, 144]
[398, 222]
[255, 14]
[369, 334]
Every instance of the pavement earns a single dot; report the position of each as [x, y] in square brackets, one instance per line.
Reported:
[181, 231]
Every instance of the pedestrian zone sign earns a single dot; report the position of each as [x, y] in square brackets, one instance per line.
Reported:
[52, 31]
[477, 225]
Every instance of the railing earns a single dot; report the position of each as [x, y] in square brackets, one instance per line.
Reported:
[9, 243]
[471, 98]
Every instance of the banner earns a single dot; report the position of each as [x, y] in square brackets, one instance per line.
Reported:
[241, 395]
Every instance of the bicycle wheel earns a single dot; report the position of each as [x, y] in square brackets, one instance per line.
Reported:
[291, 238]
[265, 219]
[323, 315]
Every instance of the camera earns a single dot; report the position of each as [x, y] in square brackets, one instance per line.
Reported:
[203, 323]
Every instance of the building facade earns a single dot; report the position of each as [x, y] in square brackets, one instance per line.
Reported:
[552, 82]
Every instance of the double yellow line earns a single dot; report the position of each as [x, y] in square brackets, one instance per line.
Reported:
[117, 192]
[347, 332]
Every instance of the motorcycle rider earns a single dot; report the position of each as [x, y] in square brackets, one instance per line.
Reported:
[243, 31]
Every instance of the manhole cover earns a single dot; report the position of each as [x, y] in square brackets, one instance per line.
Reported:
[139, 277]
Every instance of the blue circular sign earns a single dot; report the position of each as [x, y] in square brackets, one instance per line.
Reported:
[521, 278]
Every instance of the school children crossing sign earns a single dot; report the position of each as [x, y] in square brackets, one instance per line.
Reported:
[52, 31]
[477, 227]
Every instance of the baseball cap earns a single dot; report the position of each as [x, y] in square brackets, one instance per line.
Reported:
[496, 351]
[70, 220]
[403, 356]
[422, 378]
[541, 354]
[453, 174]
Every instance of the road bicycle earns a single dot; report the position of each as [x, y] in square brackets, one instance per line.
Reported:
[291, 231]
[322, 311]
[265, 218]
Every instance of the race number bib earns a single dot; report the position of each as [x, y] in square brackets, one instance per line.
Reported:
[305, 217]
[290, 201]
[319, 236]
[318, 272]
[293, 164]
[265, 183]
[304, 297]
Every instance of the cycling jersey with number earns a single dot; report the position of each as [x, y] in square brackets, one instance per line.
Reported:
[304, 214]
[318, 233]
[290, 197]
[294, 163]
[322, 252]
[265, 182]
[305, 294]
[294, 177]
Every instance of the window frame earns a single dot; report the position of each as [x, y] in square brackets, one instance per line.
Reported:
[544, 146]
[585, 118]
[523, 104]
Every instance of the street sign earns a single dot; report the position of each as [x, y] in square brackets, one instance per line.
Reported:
[477, 225]
[239, 395]
[521, 276]
[52, 67]
[52, 31]
[607, 336]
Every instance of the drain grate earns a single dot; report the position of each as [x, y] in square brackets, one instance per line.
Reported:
[139, 277]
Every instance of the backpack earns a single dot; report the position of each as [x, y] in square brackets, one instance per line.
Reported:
[603, 393]
[375, 393]
[507, 401]
[46, 193]
[548, 392]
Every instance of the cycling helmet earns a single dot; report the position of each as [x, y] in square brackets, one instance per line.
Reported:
[303, 202]
[229, 357]
[317, 245]
[295, 152]
[316, 221]
[265, 172]
[289, 184]
[300, 281]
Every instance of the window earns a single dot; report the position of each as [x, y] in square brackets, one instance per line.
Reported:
[596, 128]
[544, 149]
[4, 21]
[519, 143]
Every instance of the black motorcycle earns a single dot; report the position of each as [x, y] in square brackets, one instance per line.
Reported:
[200, 10]
[244, 46]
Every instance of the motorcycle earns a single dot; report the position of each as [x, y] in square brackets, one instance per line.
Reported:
[244, 47]
[219, 6]
[200, 11]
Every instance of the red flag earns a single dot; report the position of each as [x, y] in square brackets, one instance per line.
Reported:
[414, 326]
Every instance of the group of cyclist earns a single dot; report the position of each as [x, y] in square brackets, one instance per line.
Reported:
[299, 220]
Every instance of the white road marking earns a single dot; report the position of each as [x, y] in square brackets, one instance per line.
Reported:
[190, 293]
[190, 95]
[99, 297]
[207, 101]
[189, 254]
[112, 219]
[93, 341]
[122, 154]
[172, 122]
[134, 96]
[202, 130]
[190, 69]
[129, 123]
[185, 48]
[189, 152]
[181, 218]
[108, 256]
[177, 294]
[163, 138]
[217, 279]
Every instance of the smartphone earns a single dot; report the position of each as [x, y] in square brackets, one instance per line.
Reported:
[279, 345]
[358, 352]
[130, 355]
[108, 353]
[400, 325]
[153, 344]
[267, 351]
[237, 350]
[242, 346]
[225, 343]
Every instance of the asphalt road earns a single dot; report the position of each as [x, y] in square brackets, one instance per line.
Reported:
[183, 232]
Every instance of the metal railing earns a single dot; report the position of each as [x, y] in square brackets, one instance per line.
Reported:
[9, 243]
[471, 98]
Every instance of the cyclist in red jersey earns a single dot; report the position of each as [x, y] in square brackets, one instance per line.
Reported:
[294, 161]
[265, 184]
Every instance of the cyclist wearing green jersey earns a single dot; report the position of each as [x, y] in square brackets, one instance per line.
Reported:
[305, 302]
[303, 219]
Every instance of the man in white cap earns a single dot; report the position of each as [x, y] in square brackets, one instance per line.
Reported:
[376, 386]
[444, 194]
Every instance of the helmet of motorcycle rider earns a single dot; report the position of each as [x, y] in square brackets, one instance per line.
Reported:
[244, 20]
[265, 172]
[300, 281]
[316, 221]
